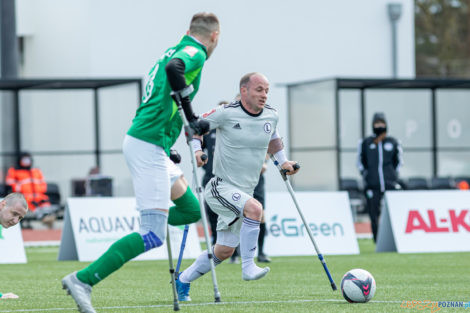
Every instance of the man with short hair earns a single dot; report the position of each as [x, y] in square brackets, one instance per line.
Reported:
[174, 78]
[12, 209]
[246, 131]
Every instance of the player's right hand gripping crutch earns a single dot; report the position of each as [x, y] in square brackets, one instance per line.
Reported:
[291, 191]
[188, 131]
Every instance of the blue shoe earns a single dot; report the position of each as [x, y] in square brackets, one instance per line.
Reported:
[183, 290]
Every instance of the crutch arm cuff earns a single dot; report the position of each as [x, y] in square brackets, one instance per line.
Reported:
[196, 143]
[281, 157]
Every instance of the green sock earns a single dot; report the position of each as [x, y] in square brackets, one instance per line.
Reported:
[120, 252]
[185, 211]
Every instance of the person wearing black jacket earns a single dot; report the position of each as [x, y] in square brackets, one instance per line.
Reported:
[379, 161]
[209, 147]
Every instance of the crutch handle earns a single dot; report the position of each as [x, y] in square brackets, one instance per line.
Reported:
[296, 166]
[204, 157]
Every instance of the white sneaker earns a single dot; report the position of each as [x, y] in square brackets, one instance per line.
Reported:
[79, 291]
[256, 275]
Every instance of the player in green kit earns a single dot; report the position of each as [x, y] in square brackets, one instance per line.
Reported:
[146, 147]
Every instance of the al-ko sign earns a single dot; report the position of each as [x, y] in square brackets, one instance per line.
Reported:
[434, 221]
[425, 221]
[328, 216]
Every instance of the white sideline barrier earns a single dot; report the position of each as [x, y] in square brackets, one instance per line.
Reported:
[328, 215]
[425, 221]
[11, 245]
[92, 225]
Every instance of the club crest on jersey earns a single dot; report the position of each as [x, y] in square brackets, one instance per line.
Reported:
[190, 50]
[236, 196]
[267, 128]
[208, 113]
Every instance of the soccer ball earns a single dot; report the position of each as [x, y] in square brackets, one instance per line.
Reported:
[358, 285]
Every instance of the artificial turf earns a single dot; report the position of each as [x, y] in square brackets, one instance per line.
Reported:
[295, 284]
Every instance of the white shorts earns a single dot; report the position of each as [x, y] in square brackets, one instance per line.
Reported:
[152, 171]
[228, 202]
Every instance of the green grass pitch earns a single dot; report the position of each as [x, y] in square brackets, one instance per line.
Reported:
[295, 284]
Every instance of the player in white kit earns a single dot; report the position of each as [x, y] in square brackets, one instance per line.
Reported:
[245, 132]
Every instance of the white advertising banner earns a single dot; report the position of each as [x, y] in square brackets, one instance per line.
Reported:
[425, 221]
[92, 225]
[11, 245]
[328, 215]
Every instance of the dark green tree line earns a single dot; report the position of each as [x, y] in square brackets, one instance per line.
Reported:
[442, 38]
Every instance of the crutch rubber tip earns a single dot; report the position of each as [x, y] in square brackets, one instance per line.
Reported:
[333, 285]
[217, 299]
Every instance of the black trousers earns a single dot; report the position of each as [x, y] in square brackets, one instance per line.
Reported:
[373, 200]
[212, 217]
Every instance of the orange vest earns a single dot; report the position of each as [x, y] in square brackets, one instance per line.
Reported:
[31, 184]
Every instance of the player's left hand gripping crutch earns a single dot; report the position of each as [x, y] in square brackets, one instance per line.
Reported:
[188, 131]
[176, 306]
[291, 191]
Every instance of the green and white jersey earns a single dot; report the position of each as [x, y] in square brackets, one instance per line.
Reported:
[157, 120]
[241, 143]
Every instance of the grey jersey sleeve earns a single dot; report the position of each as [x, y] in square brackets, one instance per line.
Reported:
[215, 117]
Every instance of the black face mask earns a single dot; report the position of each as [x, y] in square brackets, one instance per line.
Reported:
[380, 130]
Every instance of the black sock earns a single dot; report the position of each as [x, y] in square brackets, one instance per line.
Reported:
[262, 233]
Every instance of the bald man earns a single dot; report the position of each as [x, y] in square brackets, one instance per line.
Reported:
[246, 131]
[12, 210]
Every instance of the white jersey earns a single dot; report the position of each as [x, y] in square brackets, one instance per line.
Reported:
[242, 140]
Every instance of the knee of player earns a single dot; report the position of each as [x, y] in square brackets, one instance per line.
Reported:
[253, 209]
[194, 216]
[223, 252]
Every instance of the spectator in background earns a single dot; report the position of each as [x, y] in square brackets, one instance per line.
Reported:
[12, 209]
[379, 161]
[209, 147]
[29, 181]
[463, 185]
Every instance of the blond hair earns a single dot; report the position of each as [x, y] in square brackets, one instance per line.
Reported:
[15, 197]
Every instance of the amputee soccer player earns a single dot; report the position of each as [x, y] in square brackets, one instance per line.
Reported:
[245, 132]
[146, 148]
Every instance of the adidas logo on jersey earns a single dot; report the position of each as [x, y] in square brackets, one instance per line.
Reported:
[237, 126]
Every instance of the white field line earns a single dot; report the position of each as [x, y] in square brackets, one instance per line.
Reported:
[191, 305]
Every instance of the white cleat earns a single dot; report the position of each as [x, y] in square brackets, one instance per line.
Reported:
[257, 275]
[79, 291]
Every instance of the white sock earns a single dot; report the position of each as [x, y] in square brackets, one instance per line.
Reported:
[198, 268]
[248, 240]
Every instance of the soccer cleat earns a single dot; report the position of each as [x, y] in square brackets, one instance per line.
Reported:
[257, 275]
[183, 290]
[79, 291]
[263, 258]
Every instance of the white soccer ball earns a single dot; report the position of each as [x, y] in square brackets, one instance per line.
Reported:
[358, 285]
